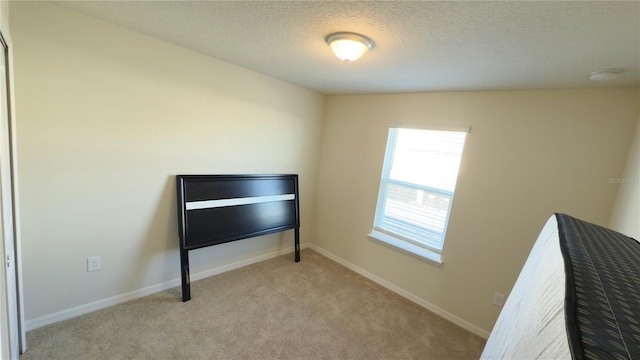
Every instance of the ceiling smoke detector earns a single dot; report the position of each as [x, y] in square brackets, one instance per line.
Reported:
[605, 75]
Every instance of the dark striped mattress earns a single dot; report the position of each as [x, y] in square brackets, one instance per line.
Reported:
[577, 297]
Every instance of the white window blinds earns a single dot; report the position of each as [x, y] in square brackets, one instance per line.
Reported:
[417, 185]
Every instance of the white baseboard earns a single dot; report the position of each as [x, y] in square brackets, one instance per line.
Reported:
[136, 294]
[407, 295]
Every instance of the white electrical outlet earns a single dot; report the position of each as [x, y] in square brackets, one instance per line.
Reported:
[498, 299]
[93, 263]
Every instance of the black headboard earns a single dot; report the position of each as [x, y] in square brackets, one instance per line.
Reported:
[215, 209]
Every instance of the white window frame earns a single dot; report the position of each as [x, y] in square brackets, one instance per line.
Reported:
[389, 237]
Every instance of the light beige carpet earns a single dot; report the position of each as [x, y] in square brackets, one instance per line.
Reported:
[276, 309]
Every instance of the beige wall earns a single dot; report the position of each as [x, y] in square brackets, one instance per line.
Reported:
[529, 154]
[107, 118]
[625, 216]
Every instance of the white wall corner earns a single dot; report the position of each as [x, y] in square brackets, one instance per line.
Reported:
[626, 208]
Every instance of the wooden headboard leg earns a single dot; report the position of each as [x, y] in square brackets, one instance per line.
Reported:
[297, 244]
[186, 282]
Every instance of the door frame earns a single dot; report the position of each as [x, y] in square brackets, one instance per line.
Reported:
[9, 210]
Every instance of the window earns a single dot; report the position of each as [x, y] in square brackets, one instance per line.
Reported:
[416, 189]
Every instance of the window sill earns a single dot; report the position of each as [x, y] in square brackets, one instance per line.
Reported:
[421, 253]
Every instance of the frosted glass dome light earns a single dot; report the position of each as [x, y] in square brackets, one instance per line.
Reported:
[349, 46]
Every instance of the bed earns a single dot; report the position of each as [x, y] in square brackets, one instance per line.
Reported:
[577, 297]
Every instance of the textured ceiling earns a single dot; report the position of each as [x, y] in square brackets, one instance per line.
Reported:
[420, 45]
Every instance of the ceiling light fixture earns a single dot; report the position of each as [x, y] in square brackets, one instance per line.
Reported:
[605, 75]
[349, 46]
